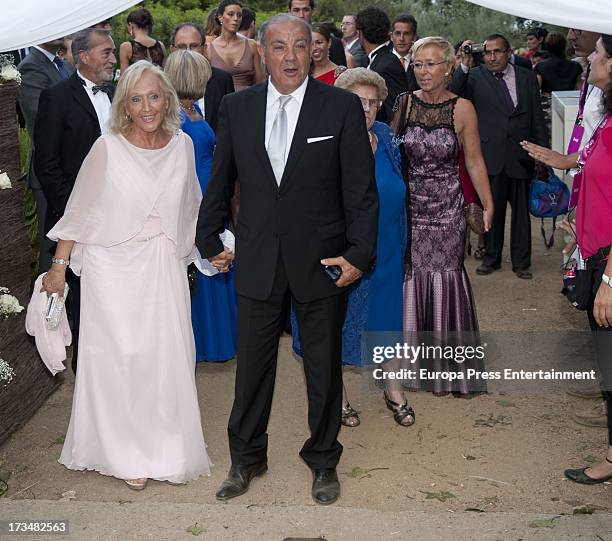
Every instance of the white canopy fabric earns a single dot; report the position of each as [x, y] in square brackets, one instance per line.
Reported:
[29, 22]
[592, 15]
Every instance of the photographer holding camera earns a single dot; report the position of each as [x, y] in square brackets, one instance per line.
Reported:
[507, 102]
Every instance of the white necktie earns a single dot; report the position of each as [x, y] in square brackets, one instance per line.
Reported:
[277, 144]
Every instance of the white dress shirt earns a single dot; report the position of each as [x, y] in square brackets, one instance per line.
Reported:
[406, 58]
[100, 102]
[373, 52]
[292, 109]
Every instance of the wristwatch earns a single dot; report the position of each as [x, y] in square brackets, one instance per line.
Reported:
[606, 280]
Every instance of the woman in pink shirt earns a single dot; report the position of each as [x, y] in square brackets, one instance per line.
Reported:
[594, 234]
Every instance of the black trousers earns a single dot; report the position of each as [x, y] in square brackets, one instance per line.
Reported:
[516, 192]
[260, 324]
[603, 345]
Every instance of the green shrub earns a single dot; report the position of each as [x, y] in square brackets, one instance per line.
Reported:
[24, 148]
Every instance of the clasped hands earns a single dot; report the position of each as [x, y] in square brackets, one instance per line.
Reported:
[223, 260]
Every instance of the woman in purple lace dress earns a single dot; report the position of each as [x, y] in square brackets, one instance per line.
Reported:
[432, 125]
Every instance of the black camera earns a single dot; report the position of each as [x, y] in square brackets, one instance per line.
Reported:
[474, 48]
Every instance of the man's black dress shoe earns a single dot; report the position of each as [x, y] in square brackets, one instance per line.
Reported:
[325, 486]
[524, 274]
[238, 480]
[486, 269]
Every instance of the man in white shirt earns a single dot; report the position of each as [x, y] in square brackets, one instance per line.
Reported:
[307, 199]
[350, 39]
[403, 35]
[71, 115]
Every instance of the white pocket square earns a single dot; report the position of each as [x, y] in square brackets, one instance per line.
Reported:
[317, 139]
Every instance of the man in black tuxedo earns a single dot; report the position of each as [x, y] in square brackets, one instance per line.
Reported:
[402, 36]
[308, 199]
[191, 36]
[40, 69]
[507, 101]
[373, 25]
[304, 10]
[71, 116]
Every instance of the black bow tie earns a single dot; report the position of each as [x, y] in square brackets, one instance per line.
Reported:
[97, 88]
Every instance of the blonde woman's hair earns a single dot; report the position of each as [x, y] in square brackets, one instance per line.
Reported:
[120, 122]
[188, 72]
[445, 46]
[362, 76]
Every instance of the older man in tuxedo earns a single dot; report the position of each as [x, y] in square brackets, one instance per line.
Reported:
[40, 69]
[191, 36]
[507, 101]
[308, 199]
[71, 116]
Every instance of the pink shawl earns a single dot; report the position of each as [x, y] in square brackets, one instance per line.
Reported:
[119, 185]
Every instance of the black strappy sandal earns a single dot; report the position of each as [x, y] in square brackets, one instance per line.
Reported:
[578, 476]
[348, 412]
[400, 412]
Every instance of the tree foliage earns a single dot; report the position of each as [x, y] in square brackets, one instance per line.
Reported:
[453, 19]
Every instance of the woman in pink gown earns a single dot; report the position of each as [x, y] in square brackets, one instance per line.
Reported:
[129, 231]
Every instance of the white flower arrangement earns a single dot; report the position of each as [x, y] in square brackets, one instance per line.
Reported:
[6, 372]
[8, 72]
[5, 181]
[9, 304]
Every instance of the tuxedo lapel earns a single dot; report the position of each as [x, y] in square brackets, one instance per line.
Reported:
[80, 95]
[306, 123]
[259, 127]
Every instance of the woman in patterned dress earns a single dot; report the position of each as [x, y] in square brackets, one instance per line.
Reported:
[432, 125]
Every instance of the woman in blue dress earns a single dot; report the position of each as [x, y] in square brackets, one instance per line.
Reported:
[213, 307]
[375, 303]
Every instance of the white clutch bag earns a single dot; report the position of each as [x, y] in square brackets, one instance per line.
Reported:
[55, 305]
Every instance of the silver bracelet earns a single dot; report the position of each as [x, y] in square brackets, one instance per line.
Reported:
[60, 261]
[606, 280]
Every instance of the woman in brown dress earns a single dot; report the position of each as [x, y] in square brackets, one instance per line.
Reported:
[213, 28]
[142, 46]
[232, 52]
